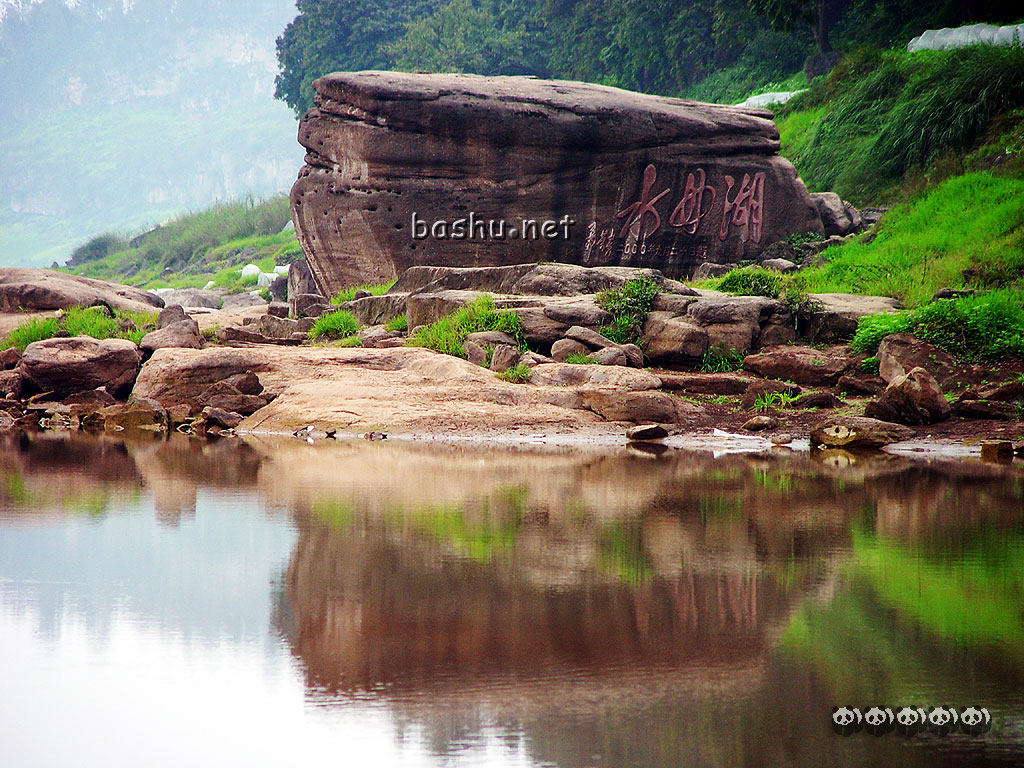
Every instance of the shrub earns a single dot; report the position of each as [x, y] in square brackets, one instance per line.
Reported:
[336, 325]
[628, 305]
[400, 323]
[449, 333]
[985, 326]
[869, 365]
[721, 360]
[752, 281]
[517, 374]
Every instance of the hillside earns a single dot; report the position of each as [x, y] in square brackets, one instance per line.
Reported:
[149, 110]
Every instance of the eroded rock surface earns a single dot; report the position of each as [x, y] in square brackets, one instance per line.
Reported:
[646, 180]
[25, 288]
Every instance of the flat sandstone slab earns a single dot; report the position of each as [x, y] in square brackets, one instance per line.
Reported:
[647, 181]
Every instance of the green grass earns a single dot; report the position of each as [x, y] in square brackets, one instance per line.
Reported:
[970, 222]
[448, 334]
[400, 323]
[985, 326]
[628, 305]
[721, 360]
[581, 358]
[83, 321]
[886, 113]
[766, 401]
[336, 325]
[751, 281]
[518, 374]
[347, 294]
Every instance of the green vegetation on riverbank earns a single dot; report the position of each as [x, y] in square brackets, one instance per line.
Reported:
[195, 249]
[449, 333]
[83, 321]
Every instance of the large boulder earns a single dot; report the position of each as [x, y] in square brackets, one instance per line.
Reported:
[655, 182]
[184, 333]
[802, 365]
[838, 217]
[192, 297]
[836, 315]
[913, 398]
[28, 289]
[900, 353]
[672, 340]
[66, 366]
[732, 322]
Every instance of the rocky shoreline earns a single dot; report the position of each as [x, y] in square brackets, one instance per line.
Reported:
[254, 373]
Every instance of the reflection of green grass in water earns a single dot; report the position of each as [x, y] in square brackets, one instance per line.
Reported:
[92, 503]
[336, 514]
[971, 600]
[14, 488]
[974, 600]
[622, 554]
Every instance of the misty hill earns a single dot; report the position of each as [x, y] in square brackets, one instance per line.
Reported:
[116, 115]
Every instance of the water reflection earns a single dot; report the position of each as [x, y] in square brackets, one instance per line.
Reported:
[564, 607]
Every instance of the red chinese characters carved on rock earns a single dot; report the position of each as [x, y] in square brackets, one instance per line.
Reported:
[745, 209]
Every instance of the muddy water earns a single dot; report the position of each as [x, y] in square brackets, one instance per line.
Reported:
[249, 604]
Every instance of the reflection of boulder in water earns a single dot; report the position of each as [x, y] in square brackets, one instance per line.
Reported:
[369, 611]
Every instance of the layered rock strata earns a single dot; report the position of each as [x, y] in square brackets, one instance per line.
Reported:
[535, 170]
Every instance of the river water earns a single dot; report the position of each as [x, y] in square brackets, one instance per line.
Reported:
[179, 603]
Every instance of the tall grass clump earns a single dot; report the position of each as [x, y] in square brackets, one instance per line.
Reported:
[347, 294]
[986, 326]
[83, 321]
[888, 112]
[628, 305]
[448, 334]
[752, 281]
[336, 325]
[36, 329]
[720, 359]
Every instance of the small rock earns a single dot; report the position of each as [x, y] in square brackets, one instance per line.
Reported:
[361, 294]
[861, 385]
[611, 356]
[710, 269]
[9, 358]
[577, 313]
[646, 432]
[758, 423]
[184, 334]
[973, 408]
[247, 383]
[900, 353]
[996, 450]
[476, 354]
[782, 438]
[817, 400]
[278, 309]
[169, 315]
[780, 265]
[10, 384]
[913, 399]
[858, 432]
[491, 339]
[222, 418]
[375, 436]
[634, 355]
[952, 293]
[804, 365]
[504, 357]
[531, 359]
[590, 337]
[562, 349]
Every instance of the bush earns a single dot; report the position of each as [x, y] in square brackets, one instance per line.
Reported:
[517, 374]
[752, 281]
[449, 333]
[987, 326]
[628, 305]
[336, 325]
[721, 360]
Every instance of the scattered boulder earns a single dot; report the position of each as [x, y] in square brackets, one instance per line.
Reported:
[817, 400]
[184, 333]
[278, 309]
[837, 216]
[276, 327]
[854, 432]
[611, 356]
[860, 385]
[707, 383]
[758, 423]
[997, 451]
[710, 269]
[279, 288]
[577, 313]
[588, 336]
[300, 282]
[93, 399]
[137, 413]
[247, 382]
[30, 289]
[175, 313]
[310, 305]
[491, 339]
[1007, 392]
[63, 366]
[672, 340]
[532, 359]
[476, 354]
[779, 251]
[539, 329]
[645, 406]
[785, 266]
[192, 297]
[9, 358]
[504, 357]
[900, 353]
[563, 349]
[221, 417]
[233, 335]
[836, 315]
[803, 365]
[732, 322]
[913, 398]
[984, 409]
[10, 384]
[242, 300]
[646, 432]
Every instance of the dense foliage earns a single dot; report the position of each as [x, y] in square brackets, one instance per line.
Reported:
[703, 48]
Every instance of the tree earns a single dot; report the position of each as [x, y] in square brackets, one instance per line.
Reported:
[790, 15]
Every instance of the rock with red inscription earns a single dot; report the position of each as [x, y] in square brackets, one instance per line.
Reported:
[463, 170]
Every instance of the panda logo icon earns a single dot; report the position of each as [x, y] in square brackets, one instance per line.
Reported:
[941, 720]
[911, 720]
[846, 720]
[975, 721]
[878, 720]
